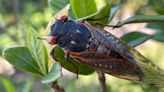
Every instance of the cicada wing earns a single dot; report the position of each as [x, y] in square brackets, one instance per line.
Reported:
[152, 74]
[90, 54]
[114, 66]
[110, 41]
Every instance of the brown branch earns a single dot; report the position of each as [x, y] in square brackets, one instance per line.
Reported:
[101, 77]
[15, 11]
[56, 87]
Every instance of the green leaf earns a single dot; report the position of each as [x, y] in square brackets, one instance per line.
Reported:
[141, 19]
[83, 8]
[54, 74]
[102, 17]
[1, 51]
[27, 86]
[158, 26]
[70, 14]
[20, 57]
[7, 84]
[114, 11]
[135, 38]
[38, 51]
[100, 3]
[158, 36]
[57, 5]
[72, 65]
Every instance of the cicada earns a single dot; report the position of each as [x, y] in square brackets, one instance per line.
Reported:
[98, 49]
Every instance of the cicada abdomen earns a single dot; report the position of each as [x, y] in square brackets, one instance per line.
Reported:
[103, 51]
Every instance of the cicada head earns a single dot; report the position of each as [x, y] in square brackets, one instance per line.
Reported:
[70, 35]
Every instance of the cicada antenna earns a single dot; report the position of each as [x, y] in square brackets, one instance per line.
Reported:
[43, 37]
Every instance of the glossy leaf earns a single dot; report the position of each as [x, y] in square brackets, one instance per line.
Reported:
[54, 74]
[141, 19]
[38, 50]
[102, 17]
[20, 57]
[71, 15]
[135, 38]
[159, 36]
[158, 26]
[114, 11]
[100, 3]
[72, 65]
[7, 84]
[83, 8]
[57, 5]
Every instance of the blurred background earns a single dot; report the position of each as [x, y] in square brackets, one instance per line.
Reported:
[17, 15]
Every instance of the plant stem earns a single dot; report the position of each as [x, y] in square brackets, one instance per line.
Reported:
[56, 87]
[101, 77]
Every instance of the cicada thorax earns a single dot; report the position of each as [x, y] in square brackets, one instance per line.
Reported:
[104, 53]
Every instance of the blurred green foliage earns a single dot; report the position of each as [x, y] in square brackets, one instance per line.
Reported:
[16, 17]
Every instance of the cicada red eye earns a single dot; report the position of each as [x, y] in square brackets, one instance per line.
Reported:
[64, 18]
[53, 40]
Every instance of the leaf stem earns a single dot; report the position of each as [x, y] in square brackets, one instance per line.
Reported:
[101, 77]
